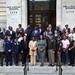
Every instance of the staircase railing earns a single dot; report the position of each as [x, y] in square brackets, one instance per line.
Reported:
[60, 66]
[26, 65]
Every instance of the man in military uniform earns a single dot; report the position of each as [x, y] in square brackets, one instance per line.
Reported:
[58, 50]
[8, 50]
[51, 50]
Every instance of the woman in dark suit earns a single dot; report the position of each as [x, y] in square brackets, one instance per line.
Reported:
[24, 49]
[72, 51]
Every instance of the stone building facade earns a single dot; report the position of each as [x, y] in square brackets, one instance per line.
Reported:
[14, 12]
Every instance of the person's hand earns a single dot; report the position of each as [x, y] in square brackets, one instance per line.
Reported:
[69, 49]
[41, 49]
[33, 50]
[58, 52]
[53, 51]
[64, 50]
[9, 50]
[21, 51]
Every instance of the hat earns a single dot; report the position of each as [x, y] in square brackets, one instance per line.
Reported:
[8, 34]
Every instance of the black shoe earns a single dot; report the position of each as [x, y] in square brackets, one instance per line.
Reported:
[49, 65]
[16, 65]
[1, 64]
[6, 65]
[72, 65]
[41, 65]
[52, 65]
[22, 64]
[69, 64]
[10, 64]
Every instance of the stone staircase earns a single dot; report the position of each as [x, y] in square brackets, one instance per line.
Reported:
[36, 70]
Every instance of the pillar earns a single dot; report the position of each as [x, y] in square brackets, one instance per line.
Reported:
[24, 14]
[58, 12]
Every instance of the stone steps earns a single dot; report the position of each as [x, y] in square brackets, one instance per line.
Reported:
[36, 70]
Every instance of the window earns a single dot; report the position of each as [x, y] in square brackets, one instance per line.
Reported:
[41, 6]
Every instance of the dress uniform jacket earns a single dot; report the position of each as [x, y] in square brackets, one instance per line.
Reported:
[15, 47]
[51, 44]
[8, 45]
[59, 46]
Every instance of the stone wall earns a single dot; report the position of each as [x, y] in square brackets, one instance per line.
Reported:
[17, 13]
[3, 13]
[66, 13]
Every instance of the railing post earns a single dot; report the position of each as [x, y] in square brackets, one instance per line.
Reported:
[26, 65]
[60, 65]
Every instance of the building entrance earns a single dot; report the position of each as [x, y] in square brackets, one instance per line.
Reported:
[42, 12]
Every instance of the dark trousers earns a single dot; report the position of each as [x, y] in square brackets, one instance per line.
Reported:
[65, 57]
[47, 53]
[71, 56]
[16, 58]
[8, 58]
[1, 57]
[37, 56]
[24, 57]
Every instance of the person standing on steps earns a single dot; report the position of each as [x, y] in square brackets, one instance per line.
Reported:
[65, 46]
[1, 50]
[8, 50]
[24, 49]
[33, 51]
[42, 49]
[51, 50]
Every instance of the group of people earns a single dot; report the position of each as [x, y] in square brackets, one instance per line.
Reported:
[38, 45]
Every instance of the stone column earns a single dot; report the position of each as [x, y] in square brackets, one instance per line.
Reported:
[24, 14]
[58, 12]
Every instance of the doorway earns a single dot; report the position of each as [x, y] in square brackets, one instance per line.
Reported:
[42, 12]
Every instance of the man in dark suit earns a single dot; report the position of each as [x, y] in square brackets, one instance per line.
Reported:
[40, 29]
[11, 33]
[28, 31]
[3, 33]
[20, 29]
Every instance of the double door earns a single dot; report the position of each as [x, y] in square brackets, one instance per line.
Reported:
[39, 18]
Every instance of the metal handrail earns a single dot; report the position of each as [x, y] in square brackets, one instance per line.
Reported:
[26, 65]
[60, 66]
